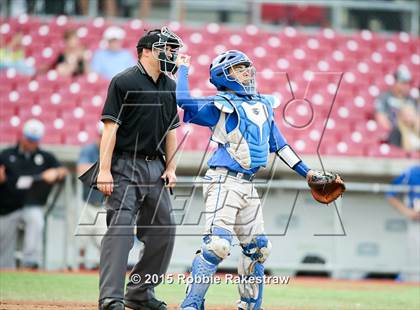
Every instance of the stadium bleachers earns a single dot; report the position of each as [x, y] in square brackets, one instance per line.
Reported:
[312, 63]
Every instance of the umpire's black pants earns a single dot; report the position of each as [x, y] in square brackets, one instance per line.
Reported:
[139, 198]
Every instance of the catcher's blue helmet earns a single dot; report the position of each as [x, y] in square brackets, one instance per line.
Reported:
[221, 77]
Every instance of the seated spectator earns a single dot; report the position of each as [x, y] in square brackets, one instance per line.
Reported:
[114, 59]
[389, 104]
[12, 55]
[407, 134]
[72, 61]
[26, 177]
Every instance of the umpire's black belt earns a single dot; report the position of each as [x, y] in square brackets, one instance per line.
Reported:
[239, 175]
[137, 155]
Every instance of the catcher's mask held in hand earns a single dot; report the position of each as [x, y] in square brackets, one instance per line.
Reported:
[165, 45]
[326, 187]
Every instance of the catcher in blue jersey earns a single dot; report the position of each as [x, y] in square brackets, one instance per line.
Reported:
[242, 123]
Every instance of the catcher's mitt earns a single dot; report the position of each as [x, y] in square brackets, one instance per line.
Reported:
[325, 187]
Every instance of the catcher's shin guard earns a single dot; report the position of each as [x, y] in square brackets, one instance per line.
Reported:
[214, 249]
[251, 271]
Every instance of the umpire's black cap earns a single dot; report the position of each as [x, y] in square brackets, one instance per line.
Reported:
[163, 36]
[148, 39]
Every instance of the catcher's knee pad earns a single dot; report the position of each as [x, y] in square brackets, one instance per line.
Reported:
[251, 270]
[214, 249]
[258, 249]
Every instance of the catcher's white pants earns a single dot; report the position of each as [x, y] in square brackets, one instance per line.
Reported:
[233, 204]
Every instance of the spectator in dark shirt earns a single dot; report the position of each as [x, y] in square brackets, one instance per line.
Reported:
[72, 61]
[26, 176]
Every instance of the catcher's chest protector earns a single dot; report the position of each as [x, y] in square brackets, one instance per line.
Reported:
[248, 142]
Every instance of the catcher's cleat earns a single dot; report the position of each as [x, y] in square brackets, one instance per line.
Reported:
[111, 304]
[193, 308]
[243, 305]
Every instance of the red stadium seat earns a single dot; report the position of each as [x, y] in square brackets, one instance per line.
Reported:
[6, 87]
[304, 146]
[386, 150]
[52, 81]
[52, 138]
[274, 13]
[414, 155]
[13, 78]
[8, 132]
[63, 126]
[309, 14]
[8, 137]
[7, 111]
[343, 149]
[24, 23]
[37, 112]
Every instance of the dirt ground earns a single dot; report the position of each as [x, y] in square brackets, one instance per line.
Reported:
[43, 305]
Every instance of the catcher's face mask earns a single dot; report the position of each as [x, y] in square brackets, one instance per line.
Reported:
[166, 50]
[233, 70]
[244, 75]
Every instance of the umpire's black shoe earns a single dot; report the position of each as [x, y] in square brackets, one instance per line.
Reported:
[111, 304]
[151, 304]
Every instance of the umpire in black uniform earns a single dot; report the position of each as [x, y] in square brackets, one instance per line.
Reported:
[135, 164]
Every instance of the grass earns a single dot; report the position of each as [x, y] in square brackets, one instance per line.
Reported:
[298, 294]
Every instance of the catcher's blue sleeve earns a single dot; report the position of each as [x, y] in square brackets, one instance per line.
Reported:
[277, 141]
[200, 111]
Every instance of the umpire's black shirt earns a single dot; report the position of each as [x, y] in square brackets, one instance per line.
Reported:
[145, 110]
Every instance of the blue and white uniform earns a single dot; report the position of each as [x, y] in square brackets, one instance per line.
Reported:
[242, 123]
[243, 126]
